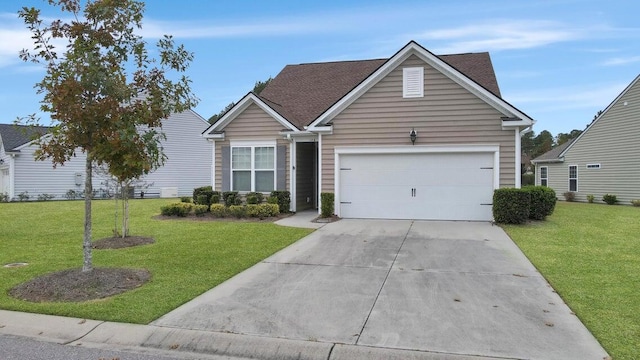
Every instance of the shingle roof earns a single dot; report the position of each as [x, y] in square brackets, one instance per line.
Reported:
[300, 93]
[14, 136]
[553, 154]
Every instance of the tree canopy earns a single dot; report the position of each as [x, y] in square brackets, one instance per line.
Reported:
[257, 89]
[105, 94]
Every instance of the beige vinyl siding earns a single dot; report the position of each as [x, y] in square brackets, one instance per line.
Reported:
[613, 142]
[447, 115]
[251, 125]
[558, 177]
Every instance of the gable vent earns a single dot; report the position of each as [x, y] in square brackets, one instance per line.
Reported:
[413, 82]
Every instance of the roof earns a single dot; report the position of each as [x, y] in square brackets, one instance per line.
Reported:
[14, 136]
[300, 93]
[553, 155]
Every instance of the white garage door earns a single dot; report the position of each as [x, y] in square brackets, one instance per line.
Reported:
[433, 186]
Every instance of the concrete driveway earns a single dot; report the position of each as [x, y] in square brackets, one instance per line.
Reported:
[439, 287]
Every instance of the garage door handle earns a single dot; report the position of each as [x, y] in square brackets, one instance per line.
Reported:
[413, 192]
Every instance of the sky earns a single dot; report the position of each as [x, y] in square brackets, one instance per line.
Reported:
[558, 61]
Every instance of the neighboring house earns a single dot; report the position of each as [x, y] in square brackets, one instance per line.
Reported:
[188, 163]
[349, 127]
[604, 159]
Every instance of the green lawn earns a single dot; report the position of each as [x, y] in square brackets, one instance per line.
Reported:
[188, 258]
[590, 253]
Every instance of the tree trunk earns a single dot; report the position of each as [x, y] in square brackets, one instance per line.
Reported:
[88, 193]
[115, 216]
[125, 210]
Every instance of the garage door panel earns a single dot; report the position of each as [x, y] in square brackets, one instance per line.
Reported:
[441, 186]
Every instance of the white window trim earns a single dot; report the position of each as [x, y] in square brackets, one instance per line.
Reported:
[593, 166]
[414, 74]
[569, 178]
[253, 145]
[546, 177]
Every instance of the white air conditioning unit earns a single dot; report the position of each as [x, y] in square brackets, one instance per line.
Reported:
[168, 192]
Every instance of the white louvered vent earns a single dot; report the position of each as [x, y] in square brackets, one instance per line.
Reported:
[413, 82]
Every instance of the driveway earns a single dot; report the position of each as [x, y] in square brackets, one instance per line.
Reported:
[439, 287]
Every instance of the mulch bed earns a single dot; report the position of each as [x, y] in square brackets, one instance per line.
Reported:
[73, 285]
[210, 217]
[122, 242]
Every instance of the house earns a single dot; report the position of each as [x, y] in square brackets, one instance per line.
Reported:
[188, 163]
[414, 136]
[604, 159]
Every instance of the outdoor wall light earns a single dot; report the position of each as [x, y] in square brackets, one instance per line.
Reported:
[413, 135]
[1, 161]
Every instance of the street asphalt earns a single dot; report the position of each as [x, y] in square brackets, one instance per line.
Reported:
[360, 289]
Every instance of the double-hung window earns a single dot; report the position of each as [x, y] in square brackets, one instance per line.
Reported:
[573, 177]
[544, 176]
[253, 168]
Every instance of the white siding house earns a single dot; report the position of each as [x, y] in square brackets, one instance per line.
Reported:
[188, 164]
[604, 159]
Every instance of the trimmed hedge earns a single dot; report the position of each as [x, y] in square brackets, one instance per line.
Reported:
[284, 200]
[230, 198]
[254, 198]
[543, 201]
[177, 209]
[205, 196]
[610, 199]
[200, 210]
[511, 206]
[327, 206]
[218, 210]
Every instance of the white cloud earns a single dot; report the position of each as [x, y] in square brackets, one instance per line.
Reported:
[500, 35]
[622, 61]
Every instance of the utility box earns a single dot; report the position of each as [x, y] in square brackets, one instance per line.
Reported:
[169, 192]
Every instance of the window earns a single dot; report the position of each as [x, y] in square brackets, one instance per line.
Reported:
[253, 168]
[573, 177]
[593, 166]
[544, 176]
[413, 82]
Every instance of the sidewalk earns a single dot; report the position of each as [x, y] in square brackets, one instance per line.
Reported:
[100, 334]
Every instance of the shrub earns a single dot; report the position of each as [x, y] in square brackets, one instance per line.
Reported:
[199, 190]
[284, 200]
[185, 199]
[569, 196]
[23, 196]
[238, 211]
[254, 198]
[4, 197]
[45, 197]
[72, 194]
[231, 198]
[635, 202]
[218, 210]
[176, 209]
[215, 198]
[272, 200]
[590, 199]
[511, 206]
[200, 210]
[202, 199]
[610, 199]
[543, 201]
[326, 208]
[262, 211]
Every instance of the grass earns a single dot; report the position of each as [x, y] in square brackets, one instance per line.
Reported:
[590, 253]
[188, 258]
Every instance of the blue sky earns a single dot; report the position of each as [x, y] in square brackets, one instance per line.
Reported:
[558, 61]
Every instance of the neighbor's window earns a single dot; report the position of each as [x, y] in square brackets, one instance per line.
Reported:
[573, 177]
[253, 168]
[593, 166]
[544, 176]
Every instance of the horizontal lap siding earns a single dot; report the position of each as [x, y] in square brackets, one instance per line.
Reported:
[447, 115]
[252, 124]
[614, 142]
[188, 163]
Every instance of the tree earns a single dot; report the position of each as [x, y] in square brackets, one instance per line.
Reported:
[97, 105]
[257, 89]
[564, 137]
[543, 142]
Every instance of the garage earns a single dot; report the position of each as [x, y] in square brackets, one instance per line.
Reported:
[433, 184]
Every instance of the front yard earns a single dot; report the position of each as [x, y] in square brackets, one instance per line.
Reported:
[187, 258]
[590, 253]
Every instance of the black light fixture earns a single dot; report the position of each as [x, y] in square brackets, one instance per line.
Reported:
[1, 161]
[413, 135]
